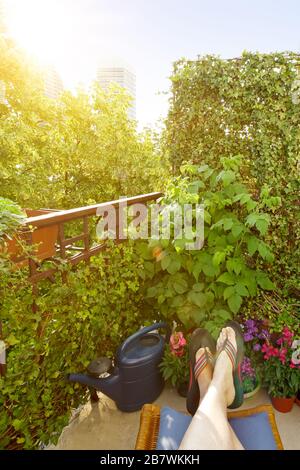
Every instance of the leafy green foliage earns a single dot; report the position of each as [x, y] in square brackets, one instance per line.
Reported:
[11, 217]
[86, 317]
[245, 106]
[206, 287]
[175, 369]
[77, 150]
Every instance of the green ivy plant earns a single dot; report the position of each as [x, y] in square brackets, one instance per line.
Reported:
[245, 105]
[11, 217]
[207, 287]
[85, 317]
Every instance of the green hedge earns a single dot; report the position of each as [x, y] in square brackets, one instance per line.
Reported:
[248, 106]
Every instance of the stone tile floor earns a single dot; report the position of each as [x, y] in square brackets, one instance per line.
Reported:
[101, 426]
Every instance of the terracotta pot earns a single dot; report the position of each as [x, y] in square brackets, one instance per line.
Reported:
[298, 399]
[284, 405]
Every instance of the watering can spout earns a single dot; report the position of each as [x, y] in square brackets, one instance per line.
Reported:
[110, 386]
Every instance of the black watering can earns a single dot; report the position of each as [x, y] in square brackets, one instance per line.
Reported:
[135, 378]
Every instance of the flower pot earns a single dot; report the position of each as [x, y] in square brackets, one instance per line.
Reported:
[284, 405]
[297, 401]
[253, 392]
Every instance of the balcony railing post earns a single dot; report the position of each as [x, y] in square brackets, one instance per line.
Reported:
[86, 238]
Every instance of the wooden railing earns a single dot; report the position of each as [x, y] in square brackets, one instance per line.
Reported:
[64, 246]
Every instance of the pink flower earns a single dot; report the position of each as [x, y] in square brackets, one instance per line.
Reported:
[270, 351]
[177, 343]
[282, 355]
[292, 366]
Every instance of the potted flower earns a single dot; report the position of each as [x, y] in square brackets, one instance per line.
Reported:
[251, 383]
[255, 333]
[280, 372]
[175, 363]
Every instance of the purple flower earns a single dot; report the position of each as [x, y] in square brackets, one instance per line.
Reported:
[246, 368]
[248, 337]
[250, 323]
[257, 347]
[264, 335]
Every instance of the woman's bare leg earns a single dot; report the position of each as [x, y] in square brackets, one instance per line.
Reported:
[209, 428]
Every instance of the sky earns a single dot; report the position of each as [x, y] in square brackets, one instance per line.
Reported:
[76, 35]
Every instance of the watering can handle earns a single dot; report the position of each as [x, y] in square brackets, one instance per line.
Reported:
[144, 331]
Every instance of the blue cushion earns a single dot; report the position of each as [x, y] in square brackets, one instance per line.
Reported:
[254, 431]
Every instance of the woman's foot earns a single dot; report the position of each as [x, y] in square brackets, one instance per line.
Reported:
[205, 377]
[224, 365]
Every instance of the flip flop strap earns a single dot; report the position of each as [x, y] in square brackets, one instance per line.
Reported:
[202, 362]
[231, 352]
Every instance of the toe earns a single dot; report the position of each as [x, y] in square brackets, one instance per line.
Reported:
[231, 335]
[221, 338]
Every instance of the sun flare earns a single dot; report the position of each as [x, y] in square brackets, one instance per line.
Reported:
[40, 27]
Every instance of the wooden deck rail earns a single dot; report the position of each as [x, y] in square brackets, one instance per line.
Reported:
[58, 219]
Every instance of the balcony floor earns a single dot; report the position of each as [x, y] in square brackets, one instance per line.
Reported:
[101, 426]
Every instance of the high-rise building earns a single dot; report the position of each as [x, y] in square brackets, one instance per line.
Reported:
[116, 72]
[53, 83]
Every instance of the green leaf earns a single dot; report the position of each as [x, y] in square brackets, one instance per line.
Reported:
[210, 270]
[251, 219]
[207, 217]
[197, 315]
[221, 314]
[262, 226]
[228, 223]
[264, 282]
[152, 292]
[228, 292]
[166, 260]
[227, 177]
[197, 270]
[265, 253]
[235, 302]
[252, 245]
[250, 282]
[197, 298]
[178, 301]
[241, 289]
[180, 285]
[227, 278]
[234, 265]
[237, 229]
[174, 266]
[198, 287]
[144, 251]
[218, 257]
